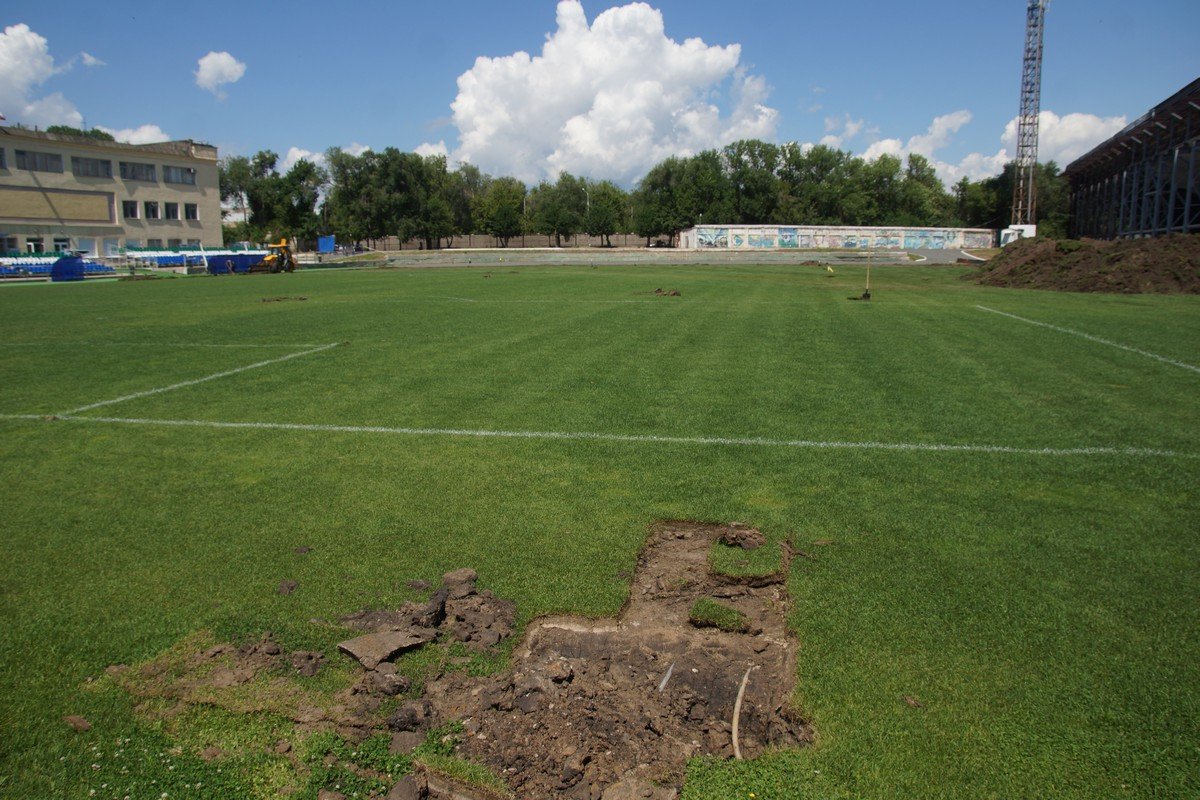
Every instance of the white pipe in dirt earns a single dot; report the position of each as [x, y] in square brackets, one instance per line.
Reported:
[737, 713]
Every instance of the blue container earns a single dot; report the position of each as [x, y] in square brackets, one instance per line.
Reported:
[68, 268]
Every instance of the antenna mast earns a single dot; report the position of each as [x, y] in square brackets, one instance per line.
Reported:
[1024, 195]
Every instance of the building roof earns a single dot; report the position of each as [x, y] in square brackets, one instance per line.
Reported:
[182, 148]
[1154, 120]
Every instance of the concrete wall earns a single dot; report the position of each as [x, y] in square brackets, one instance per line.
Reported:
[482, 240]
[806, 237]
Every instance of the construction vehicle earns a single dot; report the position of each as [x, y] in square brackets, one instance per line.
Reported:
[279, 258]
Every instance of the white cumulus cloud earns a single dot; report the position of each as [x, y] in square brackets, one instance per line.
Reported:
[143, 134]
[437, 148]
[1061, 139]
[939, 134]
[218, 69]
[90, 60]
[25, 64]
[606, 99]
[297, 154]
[1064, 139]
[840, 130]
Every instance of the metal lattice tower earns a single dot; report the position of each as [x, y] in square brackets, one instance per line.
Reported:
[1024, 194]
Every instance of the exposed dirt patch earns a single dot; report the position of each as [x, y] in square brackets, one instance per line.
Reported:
[667, 292]
[1166, 264]
[282, 299]
[591, 707]
[697, 663]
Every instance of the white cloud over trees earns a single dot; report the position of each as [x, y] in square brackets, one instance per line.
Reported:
[1061, 139]
[607, 99]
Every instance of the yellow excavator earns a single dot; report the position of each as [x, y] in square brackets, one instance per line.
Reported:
[279, 258]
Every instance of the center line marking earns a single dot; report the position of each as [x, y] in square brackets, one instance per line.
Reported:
[807, 444]
[1096, 339]
[194, 381]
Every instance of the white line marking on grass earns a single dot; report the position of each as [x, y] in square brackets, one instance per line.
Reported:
[805, 444]
[1096, 339]
[194, 381]
[290, 345]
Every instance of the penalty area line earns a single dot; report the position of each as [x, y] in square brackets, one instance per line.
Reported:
[799, 444]
[194, 381]
[1096, 339]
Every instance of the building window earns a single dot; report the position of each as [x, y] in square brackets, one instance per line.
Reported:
[179, 175]
[151, 209]
[170, 210]
[174, 244]
[193, 242]
[8, 244]
[39, 162]
[132, 171]
[91, 167]
[3, 163]
[34, 244]
[61, 244]
[154, 244]
[129, 209]
[191, 211]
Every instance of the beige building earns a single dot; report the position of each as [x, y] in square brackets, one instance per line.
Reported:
[60, 192]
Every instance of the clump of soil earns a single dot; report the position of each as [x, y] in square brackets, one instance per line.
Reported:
[667, 293]
[592, 707]
[282, 299]
[475, 617]
[743, 536]
[1165, 264]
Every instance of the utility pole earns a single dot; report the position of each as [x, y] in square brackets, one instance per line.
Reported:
[1024, 205]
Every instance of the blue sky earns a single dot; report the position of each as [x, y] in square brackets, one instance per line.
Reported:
[940, 78]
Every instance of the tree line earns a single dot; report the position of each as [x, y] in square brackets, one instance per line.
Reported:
[420, 198]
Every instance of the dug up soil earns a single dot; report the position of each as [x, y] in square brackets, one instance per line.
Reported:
[589, 709]
[1165, 265]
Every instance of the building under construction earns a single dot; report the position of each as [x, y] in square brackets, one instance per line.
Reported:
[1145, 181]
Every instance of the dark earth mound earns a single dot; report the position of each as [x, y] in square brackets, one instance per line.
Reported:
[1163, 265]
[589, 709]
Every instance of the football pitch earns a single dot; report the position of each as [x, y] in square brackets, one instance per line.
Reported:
[1005, 600]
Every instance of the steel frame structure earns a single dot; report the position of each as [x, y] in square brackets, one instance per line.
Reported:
[1145, 181]
[1024, 205]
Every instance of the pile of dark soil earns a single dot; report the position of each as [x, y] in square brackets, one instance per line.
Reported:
[1163, 265]
[596, 709]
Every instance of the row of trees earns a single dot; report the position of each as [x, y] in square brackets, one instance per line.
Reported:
[414, 197]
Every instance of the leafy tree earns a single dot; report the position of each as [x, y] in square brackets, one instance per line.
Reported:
[460, 189]
[606, 211]
[559, 207]
[354, 207]
[751, 166]
[296, 195]
[656, 202]
[234, 178]
[499, 207]
[705, 191]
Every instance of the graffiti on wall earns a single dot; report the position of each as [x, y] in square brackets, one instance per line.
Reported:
[842, 238]
[712, 237]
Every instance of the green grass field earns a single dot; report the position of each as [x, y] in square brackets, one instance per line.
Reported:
[1035, 586]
